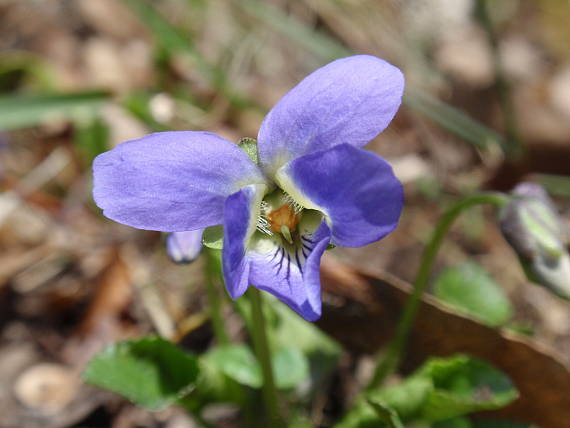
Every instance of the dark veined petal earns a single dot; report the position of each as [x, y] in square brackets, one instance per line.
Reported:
[291, 272]
[184, 247]
[240, 221]
[356, 190]
[350, 100]
[171, 181]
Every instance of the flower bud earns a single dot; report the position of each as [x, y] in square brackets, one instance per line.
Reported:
[184, 247]
[531, 225]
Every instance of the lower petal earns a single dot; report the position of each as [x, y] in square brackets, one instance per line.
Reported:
[356, 189]
[291, 271]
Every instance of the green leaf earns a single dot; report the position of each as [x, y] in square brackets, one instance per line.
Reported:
[320, 350]
[453, 423]
[299, 421]
[213, 237]
[406, 399]
[479, 423]
[386, 414]
[470, 289]
[212, 386]
[488, 423]
[20, 111]
[151, 372]
[441, 389]
[463, 385]
[290, 367]
[309, 339]
[238, 363]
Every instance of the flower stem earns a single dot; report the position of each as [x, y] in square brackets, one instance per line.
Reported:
[261, 346]
[214, 300]
[389, 361]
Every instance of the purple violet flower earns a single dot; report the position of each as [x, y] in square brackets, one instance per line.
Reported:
[184, 247]
[313, 184]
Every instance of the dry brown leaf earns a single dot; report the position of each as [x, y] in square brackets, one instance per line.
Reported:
[362, 311]
[102, 324]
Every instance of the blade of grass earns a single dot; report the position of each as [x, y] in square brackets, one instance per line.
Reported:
[138, 104]
[319, 44]
[452, 119]
[91, 138]
[513, 144]
[173, 41]
[326, 49]
[24, 68]
[20, 111]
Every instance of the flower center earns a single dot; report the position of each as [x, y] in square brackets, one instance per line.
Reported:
[279, 214]
[285, 216]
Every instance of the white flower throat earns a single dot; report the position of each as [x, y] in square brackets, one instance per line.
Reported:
[281, 214]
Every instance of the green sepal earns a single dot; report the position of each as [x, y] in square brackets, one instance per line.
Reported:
[249, 146]
[213, 237]
[540, 221]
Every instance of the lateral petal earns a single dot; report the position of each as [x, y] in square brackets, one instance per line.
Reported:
[356, 190]
[240, 220]
[171, 181]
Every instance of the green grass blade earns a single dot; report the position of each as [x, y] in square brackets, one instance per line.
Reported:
[91, 138]
[327, 49]
[170, 38]
[452, 119]
[173, 41]
[21, 111]
[319, 44]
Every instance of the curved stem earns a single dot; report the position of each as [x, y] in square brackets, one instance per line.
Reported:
[263, 354]
[389, 361]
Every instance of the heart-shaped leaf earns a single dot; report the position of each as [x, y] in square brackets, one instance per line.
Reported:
[151, 372]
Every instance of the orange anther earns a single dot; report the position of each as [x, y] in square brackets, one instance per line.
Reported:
[283, 216]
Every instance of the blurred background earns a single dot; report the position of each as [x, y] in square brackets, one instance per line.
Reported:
[487, 105]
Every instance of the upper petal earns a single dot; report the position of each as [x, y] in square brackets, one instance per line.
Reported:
[351, 100]
[171, 181]
[356, 189]
[292, 272]
[240, 221]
